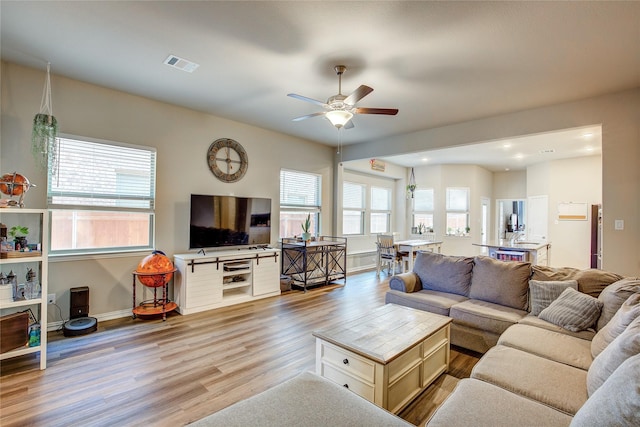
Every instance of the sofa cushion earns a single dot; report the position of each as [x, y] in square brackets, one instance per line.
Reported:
[543, 293]
[554, 384]
[552, 345]
[615, 403]
[530, 320]
[405, 282]
[628, 311]
[306, 399]
[590, 281]
[614, 295]
[573, 310]
[501, 282]
[474, 403]
[485, 315]
[625, 345]
[431, 301]
[444, 273]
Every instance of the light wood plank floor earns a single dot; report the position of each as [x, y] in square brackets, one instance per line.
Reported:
[153, 373]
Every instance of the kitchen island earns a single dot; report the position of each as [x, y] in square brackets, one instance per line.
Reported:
[537, 253]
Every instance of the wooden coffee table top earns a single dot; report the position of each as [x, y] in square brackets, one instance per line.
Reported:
[385, 332]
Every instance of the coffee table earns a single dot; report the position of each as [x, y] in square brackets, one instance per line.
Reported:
[388, 356]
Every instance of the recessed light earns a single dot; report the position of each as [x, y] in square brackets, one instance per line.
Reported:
[587, 135]
[519, 156]
[589, 148]
[507, 169]
[506, 145]
[424, 159]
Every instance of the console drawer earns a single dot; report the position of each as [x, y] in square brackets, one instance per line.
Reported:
[348, 362]
[352, 383]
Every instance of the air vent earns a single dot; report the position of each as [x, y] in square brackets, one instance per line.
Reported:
[547, 151]
[181, 64]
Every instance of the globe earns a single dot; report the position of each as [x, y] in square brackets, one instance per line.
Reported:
[14, 184]
[155, 270]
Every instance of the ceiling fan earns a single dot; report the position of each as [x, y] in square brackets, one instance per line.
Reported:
[339, 109]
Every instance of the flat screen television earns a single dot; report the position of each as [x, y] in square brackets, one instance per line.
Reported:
[217, 221]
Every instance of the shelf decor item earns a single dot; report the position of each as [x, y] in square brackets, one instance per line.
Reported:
[306, 227]
[45, 130]
[19, 234]
[14, 184]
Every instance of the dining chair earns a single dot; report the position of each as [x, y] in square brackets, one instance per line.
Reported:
[387, 254]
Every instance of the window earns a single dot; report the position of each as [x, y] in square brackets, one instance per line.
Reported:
[380, 210]
[423, 206]
[457, 211]
[353, 204]
[299, 197]
[101, 197]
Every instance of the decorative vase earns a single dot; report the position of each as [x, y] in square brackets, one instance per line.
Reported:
[306, 237]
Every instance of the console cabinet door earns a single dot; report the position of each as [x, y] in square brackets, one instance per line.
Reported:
[266, 276]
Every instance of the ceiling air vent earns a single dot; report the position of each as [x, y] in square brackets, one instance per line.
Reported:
[547, 151]
[181, 64]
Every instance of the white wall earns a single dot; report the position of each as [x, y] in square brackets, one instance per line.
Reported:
[181, 137]
[580, 183]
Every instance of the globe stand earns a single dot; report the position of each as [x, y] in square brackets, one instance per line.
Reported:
[156, 305]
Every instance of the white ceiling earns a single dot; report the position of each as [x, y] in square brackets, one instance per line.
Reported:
[439, 63]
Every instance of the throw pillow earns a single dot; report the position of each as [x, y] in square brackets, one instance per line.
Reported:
[623, 317]
[572, 310]
[543, 293]
[625, 345]
[614, 295]
[501, 282]
[617, 402]
[444, 273]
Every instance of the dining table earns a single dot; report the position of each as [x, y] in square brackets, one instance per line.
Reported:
[411, 247]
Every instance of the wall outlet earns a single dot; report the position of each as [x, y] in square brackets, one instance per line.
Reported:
[51, 299]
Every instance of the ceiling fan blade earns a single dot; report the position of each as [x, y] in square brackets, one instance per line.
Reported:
[358, 94]
[304, 98]
[386, 111]
[308, 116]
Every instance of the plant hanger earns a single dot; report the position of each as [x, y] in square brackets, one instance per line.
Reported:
[45, 129]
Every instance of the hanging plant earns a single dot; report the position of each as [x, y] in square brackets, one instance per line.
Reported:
[45, 130]
[411, 187]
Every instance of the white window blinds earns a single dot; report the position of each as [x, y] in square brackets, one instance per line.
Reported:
[299, 189]
[102, 175]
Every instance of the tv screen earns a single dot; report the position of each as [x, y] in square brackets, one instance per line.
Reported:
[229, 221]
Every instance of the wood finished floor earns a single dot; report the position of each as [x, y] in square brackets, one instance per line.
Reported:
[153, 373]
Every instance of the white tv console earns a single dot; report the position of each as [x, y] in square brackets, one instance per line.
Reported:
[204, 281]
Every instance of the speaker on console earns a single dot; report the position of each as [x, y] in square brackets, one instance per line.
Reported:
[79, 321]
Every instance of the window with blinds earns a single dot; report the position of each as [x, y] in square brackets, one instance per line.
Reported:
[423, 206]
[380, 210]
[457, 211]
[353, 205]
[101, 196]
[299, 196]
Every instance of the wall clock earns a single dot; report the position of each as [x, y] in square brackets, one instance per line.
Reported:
[227, 160]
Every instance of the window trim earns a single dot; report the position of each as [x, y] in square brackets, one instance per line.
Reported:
[457, 211]
[315, 210]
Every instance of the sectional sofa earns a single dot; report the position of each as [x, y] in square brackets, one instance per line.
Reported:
[562, 345]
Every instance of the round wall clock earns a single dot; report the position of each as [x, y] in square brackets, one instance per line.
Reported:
[227, 160]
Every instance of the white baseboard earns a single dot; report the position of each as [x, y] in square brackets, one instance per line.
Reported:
[54, 326]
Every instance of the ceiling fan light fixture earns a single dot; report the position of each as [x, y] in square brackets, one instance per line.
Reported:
[338, 118]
